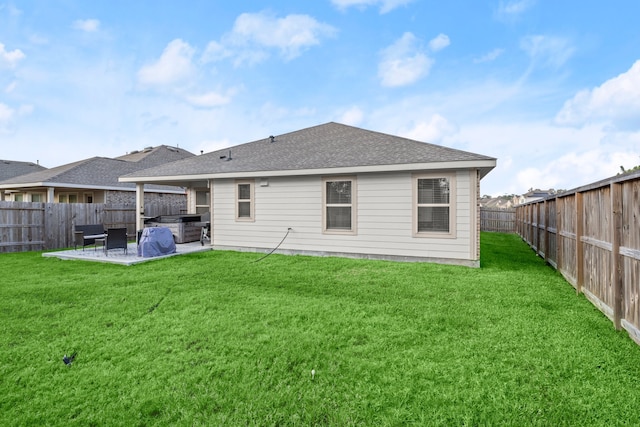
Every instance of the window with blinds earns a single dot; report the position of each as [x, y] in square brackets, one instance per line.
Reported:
[339, 205]
[433, 212]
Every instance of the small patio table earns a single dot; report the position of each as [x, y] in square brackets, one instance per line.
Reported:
[98, 238]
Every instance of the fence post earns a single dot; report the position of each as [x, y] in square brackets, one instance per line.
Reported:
[545, 206]
[579, 248]
[559, 239]
[616, 274]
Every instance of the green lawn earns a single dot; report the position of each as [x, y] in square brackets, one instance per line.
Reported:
[216, 339]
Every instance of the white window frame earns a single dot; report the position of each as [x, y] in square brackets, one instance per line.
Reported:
[202, 208]
[251, 200]
[353, 205]
[451, 234]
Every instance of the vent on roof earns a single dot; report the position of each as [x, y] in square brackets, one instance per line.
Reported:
[147, 149]
[134, 152]
[272, 138]
[227, 157]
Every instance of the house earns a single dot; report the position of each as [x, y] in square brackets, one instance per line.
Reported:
[11, 169]
[335, 190]
[502, 202]
[95, 180]
[537, 194]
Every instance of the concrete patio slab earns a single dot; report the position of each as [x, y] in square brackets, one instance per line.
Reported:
[117, 256]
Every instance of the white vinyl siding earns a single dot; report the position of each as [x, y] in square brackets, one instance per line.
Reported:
[384, 218]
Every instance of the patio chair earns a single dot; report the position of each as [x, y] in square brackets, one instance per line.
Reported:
[116, 239]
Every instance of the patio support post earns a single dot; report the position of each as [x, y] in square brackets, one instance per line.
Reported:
[50, 193]
[210, 185]
[139, 206]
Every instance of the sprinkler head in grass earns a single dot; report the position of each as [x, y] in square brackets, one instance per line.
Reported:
[313, 374]
[69, 359]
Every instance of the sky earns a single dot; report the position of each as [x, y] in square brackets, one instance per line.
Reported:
[550, 88]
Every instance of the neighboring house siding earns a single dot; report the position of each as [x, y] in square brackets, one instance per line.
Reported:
[383, 226]
[120, 197]
[168, 199]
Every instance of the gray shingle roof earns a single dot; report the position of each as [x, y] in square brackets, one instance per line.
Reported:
[101, 171]
[11, 168]
[331, 145]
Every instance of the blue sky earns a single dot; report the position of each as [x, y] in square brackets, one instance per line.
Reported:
[550, 88]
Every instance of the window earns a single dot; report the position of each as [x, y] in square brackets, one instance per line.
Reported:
[244, 201]
[339, 205]
[18, 197]
[88, 197]
[68, 198]
[37, 197]
[434, 208]
[202, 201]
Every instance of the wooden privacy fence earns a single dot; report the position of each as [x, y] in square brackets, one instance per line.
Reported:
[498, 220]
[42, 226]
[592, 236]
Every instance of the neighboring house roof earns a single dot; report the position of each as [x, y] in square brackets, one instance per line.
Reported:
[10, 168]
[333, 146]
[539, 193]
[497, 203]
[99, 172]
[156, 155]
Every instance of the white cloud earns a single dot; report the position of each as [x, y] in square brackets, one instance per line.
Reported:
[616, 101]
[11, 87]
[38, 39]
[173, 66]
[489, 57]
[549, 51]
[353, 116]
[536, 154]
[210, 99]
[385, 5]
[510, 10]
[6, 113]
[10, 58]
[13, 11]
[403, 62]
[432, 131]
[25, 109]
[439, 42]
[585, 167]
[255, 34]
[215, 51]
[87, 25]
